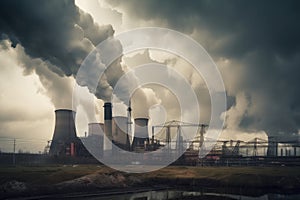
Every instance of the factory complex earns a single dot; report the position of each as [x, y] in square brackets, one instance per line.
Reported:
[113, 137]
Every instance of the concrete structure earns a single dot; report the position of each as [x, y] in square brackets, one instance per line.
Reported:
[119, 132]
[65, 141]
[94, 142]
[141, 136]
[95, 129]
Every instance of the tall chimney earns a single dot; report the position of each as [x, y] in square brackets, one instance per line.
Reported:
[64, 133]
[108, 125]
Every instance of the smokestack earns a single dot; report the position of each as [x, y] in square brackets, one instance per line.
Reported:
[141, 136]
[64, 133]
[108, 125]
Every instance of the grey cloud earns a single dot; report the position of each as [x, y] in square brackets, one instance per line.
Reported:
[245, 25]
[260, 38]
[57, 32]
[58, 89]
[94, 32]
[46, 34]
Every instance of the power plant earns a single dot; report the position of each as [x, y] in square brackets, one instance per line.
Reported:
[115, 135]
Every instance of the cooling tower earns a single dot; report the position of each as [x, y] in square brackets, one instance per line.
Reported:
[108, 126]
[65, 141]
[119, 132]
[141, 136]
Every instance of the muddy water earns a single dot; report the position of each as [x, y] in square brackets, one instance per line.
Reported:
[189, 195]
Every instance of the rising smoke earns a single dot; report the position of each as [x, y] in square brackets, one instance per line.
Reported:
[256, 45]
[52, 39]
[57, 32]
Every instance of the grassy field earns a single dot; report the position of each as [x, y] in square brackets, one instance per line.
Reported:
[98, 176]
[52, 174]
[256, 177]
[233, 175]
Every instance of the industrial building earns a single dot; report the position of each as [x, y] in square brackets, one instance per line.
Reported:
[112, 136]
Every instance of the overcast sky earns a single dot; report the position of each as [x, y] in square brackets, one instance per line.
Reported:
[255, 44]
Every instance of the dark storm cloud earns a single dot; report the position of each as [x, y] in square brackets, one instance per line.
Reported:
[260, 37]
[57, 32]
[245, 25]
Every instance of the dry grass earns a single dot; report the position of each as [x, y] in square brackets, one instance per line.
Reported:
[232, 176]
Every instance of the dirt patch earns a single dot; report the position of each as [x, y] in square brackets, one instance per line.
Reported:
[99, 180]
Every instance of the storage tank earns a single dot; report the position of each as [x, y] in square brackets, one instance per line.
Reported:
[95, 129]
[94, 141]
[141, 136]
[272, 147]
[119, 132]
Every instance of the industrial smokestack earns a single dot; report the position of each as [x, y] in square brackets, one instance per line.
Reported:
[108, 125]
[141, 136]
[119, 132]
[64, 136]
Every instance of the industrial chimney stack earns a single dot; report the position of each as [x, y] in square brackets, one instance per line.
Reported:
[108, 125]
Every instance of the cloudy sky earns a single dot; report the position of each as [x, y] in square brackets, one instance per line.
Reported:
[255, 44]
